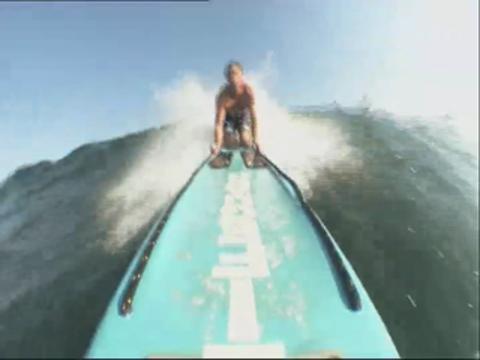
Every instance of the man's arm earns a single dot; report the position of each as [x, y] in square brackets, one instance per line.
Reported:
[219, 122]
[253, 116]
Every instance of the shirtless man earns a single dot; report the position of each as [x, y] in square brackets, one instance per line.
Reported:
[235, 120]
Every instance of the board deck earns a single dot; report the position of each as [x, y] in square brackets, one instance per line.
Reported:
[239, 269]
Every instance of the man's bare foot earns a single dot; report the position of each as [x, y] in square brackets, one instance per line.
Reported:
[220, 161]
[248, 157]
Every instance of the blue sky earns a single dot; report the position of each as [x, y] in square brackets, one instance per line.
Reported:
[74, 72]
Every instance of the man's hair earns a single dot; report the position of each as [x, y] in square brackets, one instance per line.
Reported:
[229, 67]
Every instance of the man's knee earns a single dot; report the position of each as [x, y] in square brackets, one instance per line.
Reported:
[246, 138]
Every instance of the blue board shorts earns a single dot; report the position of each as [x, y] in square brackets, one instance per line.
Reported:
[240, 121]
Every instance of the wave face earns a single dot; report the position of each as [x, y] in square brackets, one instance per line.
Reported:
[400, 199]
[407, 219]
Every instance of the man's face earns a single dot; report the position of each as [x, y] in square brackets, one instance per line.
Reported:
[235, 76]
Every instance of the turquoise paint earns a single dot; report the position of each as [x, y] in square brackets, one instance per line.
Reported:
[178, 308]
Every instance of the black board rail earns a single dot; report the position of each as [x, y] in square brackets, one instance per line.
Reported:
[346, 285]
[126, 300]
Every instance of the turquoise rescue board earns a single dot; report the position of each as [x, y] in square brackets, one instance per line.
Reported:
[182, 307]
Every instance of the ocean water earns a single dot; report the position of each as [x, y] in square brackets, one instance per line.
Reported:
[400, 199]
[408, 221]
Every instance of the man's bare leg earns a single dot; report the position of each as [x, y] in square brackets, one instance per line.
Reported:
[246, 141]
[246, 138]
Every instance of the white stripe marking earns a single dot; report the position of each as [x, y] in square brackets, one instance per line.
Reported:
[242, 325]
[257, 260]
[273, 351]
[229, 272]
[239, 226]
[233, 259]
[231, 240]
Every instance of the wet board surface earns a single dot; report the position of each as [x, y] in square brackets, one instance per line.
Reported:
[238, 271]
